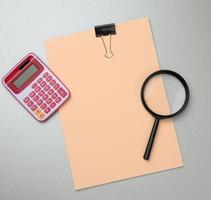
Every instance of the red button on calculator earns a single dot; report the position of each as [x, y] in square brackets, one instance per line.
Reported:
[56, 86]
[34, 107]
[41, 93]
[50, 91]
[53, 105]
[47, 110]
[36, 87]
[45, 96]
[39, 80]
[54, 95]
[62, 92]
[32, 94]
[35, 98]
[52, 82]
[30, 103]
[45, 74]
[48, 78]
[49, 100]
[47, 87]
[58, 99]
[43, 84]
[26, 99]
[39, 102]
[43, 106]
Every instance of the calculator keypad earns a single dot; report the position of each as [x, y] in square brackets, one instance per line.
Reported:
[46, 93]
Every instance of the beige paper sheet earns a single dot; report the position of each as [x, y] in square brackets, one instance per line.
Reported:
[106, 128]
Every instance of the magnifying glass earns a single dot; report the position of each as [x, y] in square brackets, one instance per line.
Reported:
[154, 110]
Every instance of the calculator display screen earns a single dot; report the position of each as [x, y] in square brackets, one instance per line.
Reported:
[25, 76]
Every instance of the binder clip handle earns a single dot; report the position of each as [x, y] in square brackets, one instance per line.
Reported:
[103, 31]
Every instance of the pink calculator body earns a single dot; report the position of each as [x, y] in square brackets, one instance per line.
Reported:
[36, 87]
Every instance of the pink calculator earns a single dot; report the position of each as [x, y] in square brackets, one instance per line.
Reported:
[36, 87]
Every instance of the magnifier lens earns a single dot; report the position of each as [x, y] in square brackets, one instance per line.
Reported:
[161, 102]
[163, 105]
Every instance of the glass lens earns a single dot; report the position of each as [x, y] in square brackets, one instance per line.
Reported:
[164, 94]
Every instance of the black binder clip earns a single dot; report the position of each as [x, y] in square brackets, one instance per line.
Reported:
[106, 30]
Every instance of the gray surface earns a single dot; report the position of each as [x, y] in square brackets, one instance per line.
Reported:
[33, 159]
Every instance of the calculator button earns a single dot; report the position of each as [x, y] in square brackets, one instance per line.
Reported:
[47, 87]
[48, 78]
[30, 103]
[52, 105]
[45, 75]
[41, 115]
[49, 100]
[56, 86]
[50, 91]
[34, 107]
[39, 80]
[41, 93]
[62, 92]
[37, 89]
[45, 96]
[47, 110]
[58, 99]
[52, 82]
[39, 102]
[32, 94]
[26, 100]
[35, 98]
[38, 111]
[54, 95]
[43, 84]
[34, 85]
[43, 106]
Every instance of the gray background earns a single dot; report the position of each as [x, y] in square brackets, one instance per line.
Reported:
[33, 159]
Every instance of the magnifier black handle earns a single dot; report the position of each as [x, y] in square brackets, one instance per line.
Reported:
[151, 139]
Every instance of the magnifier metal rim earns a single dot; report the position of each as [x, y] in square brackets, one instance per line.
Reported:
[174, 74]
